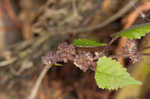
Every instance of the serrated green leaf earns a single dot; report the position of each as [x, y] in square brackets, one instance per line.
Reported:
[87, 43]
[111, 75]
[136, 32]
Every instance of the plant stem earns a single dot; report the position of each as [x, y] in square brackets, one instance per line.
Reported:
[38, 82]
[123, 55]
[145, 54]
[142, 49]
[110, 43]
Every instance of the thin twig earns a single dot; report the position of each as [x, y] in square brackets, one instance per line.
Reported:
[128, 55]
[7, 62]
[145, 54]
[142, 49]
[26, 52]
[122, 55]
[75, 8]
[89, 29]
[110, 43]
[38, 82]
[111, 19]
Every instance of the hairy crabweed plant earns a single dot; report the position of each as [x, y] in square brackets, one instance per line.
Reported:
[109, 73]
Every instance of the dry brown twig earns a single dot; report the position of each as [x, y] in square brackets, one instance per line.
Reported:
[128, 21]
[111, 19]
[47, 36]
[38, 82]
[81, 30]
[44, 71]
[131, 18]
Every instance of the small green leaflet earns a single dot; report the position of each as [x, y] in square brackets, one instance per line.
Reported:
[87, 43]
[111, 75]
[56, 64]
[136, 32]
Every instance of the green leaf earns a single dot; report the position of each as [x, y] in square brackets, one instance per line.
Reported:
[56, 64]
[87, 43]
[111, 75]
[136, 32]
